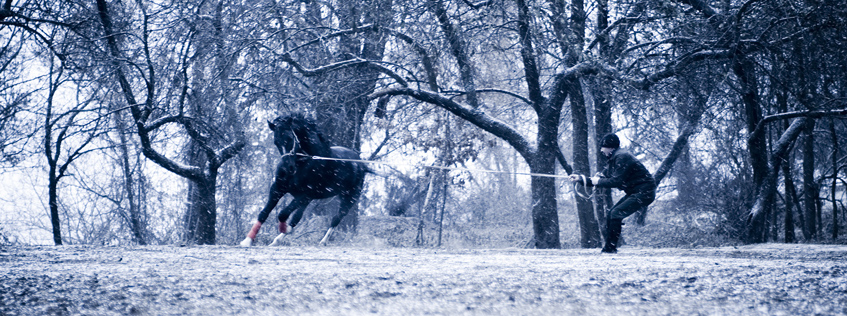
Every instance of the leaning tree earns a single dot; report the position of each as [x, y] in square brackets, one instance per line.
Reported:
[176, 91]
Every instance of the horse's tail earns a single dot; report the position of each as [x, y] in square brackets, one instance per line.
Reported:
[349, 155]
[367, 168]
[375, 171]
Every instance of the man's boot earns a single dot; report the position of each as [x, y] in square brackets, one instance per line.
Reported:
[613, 230]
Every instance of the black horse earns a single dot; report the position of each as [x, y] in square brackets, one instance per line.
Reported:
[310, 169]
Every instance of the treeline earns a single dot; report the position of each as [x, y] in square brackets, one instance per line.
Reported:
[738, 105]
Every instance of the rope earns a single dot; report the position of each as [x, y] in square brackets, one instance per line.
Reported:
[586, 195]
[533, 174]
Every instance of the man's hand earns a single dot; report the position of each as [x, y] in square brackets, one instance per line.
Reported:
[579, 178]
[595, 180]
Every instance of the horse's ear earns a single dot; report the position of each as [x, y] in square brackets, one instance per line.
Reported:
[271, 125]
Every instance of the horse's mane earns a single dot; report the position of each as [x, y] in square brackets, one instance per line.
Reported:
[306, 129]
[295, 119]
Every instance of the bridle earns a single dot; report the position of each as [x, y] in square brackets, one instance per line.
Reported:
[294, 146]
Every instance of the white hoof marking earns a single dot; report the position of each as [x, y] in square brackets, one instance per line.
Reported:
[247, 242]
[326, 237]
[278, 240]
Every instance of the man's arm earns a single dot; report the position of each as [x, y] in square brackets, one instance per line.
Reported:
[617, 174]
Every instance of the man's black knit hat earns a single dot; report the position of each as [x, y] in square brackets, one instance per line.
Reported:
[610, 141]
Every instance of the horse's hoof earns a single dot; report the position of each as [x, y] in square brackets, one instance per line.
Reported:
[278, 240]
[326, 237]
[247, 242]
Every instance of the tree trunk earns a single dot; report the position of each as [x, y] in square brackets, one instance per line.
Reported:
[207, 212]
[54, 172]
[683, 171]
[789, 200]
[545, 217]
[53, 200]
[756, 222]
[834, 179]
[602, 126]
[589, 229]
[787, 174]
[135, 222]
[795, 198]
[819, 211]
[202, 213]
[419, 239]
[196, 212]
[756, 145]
[809, 187]
[572, 44]
[441, 213]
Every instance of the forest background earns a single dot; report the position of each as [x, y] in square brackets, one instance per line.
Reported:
[144, 122]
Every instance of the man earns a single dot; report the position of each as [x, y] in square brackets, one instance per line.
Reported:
[626, 173]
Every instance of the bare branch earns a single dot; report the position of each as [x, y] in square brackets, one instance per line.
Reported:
[509, 93]
[458, 48]
[231, 150]
[477, 5]
[161, 121]
[388, 72]
[790, 115]
[323, 38]
[668, 71]
[671, 40]
[605, 32]
[343, 64]
[678, 145]
[470, 114]
[193, 173]
[426, 60]
[533, 77]
[701, 6]
[323, 69]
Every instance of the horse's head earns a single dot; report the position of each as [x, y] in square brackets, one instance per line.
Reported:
[298, 134]
[285, 139]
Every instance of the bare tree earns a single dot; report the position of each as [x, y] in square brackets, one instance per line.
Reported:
[202, 174]
[134, 216]
[68, 135]
[13, 101]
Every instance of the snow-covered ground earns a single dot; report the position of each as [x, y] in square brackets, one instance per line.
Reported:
[768, 279]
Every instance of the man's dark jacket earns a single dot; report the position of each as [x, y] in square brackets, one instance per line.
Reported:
[625, 172]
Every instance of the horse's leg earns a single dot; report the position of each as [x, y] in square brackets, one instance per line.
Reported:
[347, 202]
[298, 214]
[297, 206]
[273, 199]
